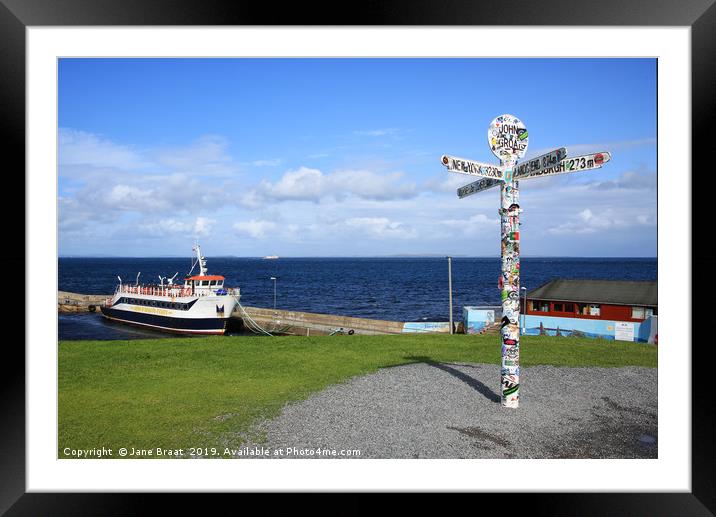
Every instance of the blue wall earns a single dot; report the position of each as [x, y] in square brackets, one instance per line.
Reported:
[581, 327]
[476, 319]
[426, 326]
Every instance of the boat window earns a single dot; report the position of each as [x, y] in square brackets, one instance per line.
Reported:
[213, 282]
[204, 282]
[220, 283]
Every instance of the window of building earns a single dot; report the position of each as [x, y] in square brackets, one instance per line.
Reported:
[558, 307]
[594, 310]
[568, 307]
[583, 309]
[544, 307]
[638, 313]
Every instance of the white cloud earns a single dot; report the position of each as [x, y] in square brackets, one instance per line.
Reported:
[82, 148]
[376, 132]
[273, 162]
[203, 226]
[206, 149]
[381, 228]
[450, 182]
[304, 183]
[478, 220]
[631, 180]
[587, 222]
[178, 194]
[255, 229]
[580, 149]
[312, 185]
[164, 227]
[127, 197]
[200, 227]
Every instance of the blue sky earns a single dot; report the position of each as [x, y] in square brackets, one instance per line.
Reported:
[340, 157]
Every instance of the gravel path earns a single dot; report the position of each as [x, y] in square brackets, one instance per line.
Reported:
[452, 410]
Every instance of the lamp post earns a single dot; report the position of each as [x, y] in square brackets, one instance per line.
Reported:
[450, 289]
[274, 292]
[524, 310]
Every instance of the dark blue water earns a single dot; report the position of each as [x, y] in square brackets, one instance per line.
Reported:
[399, 289]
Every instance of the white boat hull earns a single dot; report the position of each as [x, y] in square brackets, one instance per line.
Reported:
[207, 314]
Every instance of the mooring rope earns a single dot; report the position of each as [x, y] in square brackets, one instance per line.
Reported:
[252, 325]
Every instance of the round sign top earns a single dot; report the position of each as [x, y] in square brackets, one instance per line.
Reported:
[507, 137]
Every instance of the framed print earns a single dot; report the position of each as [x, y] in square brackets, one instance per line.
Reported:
[37, 37]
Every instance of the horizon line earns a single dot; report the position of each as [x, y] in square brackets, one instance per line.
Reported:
[408, 255]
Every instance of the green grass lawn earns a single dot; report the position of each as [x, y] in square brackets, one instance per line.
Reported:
[207, 392]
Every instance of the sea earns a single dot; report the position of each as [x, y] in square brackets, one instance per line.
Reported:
[392, 288]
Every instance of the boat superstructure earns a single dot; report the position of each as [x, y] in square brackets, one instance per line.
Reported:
[201, 305]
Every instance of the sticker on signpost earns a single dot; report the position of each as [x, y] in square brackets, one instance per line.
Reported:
[507, 137]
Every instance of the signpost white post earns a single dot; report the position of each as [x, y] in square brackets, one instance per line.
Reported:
[508, 138]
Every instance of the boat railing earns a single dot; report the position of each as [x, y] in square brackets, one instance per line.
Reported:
[173, 291]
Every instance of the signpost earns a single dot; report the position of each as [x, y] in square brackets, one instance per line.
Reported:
[576, 164]
[508, 139]
[541, 162]
[476, 186]
[464, 166]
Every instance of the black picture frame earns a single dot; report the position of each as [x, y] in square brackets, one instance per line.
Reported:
[17, 15]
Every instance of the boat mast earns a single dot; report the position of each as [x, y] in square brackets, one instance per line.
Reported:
[200, 260]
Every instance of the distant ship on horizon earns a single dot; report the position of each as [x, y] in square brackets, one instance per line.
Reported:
[270, 257]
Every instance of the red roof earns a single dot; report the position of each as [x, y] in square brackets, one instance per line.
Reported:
[207, 277]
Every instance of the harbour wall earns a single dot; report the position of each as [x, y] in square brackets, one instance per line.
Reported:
[307, 323]
[285, 322]
[74, 302]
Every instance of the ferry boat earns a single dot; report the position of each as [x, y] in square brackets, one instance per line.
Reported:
[202, 305]
[271, 257]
